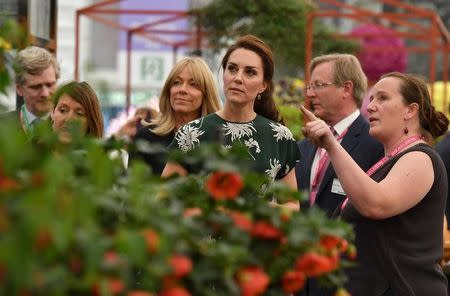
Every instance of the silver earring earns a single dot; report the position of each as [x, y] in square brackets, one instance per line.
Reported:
[258, 97]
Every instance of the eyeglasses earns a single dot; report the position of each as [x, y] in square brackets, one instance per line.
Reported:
[318, 85]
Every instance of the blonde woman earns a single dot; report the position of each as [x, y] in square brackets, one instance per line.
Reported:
[188, 93]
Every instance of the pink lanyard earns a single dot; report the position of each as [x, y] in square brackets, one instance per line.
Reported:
[323, 160]
[382, 161]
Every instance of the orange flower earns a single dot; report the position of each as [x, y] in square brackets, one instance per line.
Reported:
[313, 264]
[152, 240]
[115, 287]
[175, 291]
[111, 258]
[329, 242]
[252, 281]
[181, 265]
[293, 281]
[265, 230]
[8, 184]
[241, 221]
[43, 239]
[192, 212]
[224, 185]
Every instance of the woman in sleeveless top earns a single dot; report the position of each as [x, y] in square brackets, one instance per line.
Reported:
[397, 206]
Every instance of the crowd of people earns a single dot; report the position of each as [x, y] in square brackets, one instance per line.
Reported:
[382, 175]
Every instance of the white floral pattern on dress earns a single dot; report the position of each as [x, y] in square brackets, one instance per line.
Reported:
[250, 143]
[281, 132]
[187, 137]
[238, 130]
[275, 167]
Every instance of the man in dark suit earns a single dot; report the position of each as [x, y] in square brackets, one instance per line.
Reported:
[337, 87]
[36, 71]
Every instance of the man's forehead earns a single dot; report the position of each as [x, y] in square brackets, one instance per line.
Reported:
[45, 77]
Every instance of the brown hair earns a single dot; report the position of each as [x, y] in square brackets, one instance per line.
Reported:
[414, 90]
[346, 67]
[33, 60]
[83, 94]
[266, 105]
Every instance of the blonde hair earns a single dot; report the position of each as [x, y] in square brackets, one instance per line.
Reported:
[33, 60]
[165, 121]
[346, 67]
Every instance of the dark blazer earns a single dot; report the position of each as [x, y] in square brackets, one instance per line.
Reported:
[443, 148]
[364, 149]
[11, 118]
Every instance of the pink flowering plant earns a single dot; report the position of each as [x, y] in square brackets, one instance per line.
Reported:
[74, 222]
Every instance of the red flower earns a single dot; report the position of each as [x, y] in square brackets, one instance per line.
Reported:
[8, 184]
[181, 265]
[224, 185]
[192, 212]
[265, 230]
[43, 239]
[293, 281]
[241, 221]
[313, 264]
[152, 240]
[115, 287]
[175, 291]
[111, 258]
[75, 264]
[329, 242]
[252, 281]
[37, 179]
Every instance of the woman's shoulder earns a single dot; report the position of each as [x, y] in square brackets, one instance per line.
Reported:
[278, 130]
[147, 133]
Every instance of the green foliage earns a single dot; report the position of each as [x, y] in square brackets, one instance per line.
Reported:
[11, 36]
[280, 23]
[73, 222]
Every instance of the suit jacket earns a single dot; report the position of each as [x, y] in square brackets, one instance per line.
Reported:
[11, 118]
[364, 149]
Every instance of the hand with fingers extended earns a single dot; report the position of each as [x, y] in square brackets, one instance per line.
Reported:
[317, 131]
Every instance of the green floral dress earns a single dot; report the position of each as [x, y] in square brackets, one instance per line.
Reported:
[270, 144]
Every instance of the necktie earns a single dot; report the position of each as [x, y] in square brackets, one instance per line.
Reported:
[36, 122]
[322, 166]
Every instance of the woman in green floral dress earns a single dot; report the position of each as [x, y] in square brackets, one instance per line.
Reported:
[249, 115]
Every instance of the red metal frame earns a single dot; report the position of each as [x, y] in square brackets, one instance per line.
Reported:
[146, 30]
[435, 33]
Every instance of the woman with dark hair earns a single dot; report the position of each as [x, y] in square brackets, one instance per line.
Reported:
[397, 206]
[76, 101]
[249, 115]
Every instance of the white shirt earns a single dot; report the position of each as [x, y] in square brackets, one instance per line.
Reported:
[339, 127]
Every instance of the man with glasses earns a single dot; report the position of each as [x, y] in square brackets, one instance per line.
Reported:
[335, 92]
[36, 71]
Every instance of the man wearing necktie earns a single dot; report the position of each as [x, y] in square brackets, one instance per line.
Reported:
[36, 71]
[335, 91]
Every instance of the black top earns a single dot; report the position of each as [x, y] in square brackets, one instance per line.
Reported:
[443, 148]
[400, 255]
[155, 159]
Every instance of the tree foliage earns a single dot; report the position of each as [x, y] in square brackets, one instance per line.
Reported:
[281, 23]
